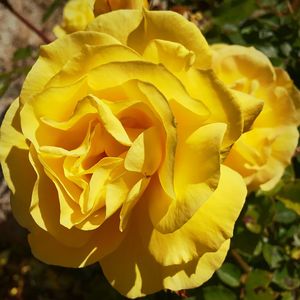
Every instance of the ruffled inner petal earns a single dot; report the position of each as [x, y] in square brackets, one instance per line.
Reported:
[196, 177]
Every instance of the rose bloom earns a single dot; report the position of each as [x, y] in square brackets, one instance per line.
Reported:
[261, 154]
[113, 153]
[78, 14]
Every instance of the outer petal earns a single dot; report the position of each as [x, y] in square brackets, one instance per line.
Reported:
[145, 276]
[143, 26]
[281, 104]
[89, 58]
[52, 251]
[283, 149]
[77, 14]
[136, 258]
[286, 143]
[207, 229]
[249, 71]
[262, 154]
[250, 107]
[234, 62]
[118, 24]
[14, 157]
[11, 137]
[55, 55]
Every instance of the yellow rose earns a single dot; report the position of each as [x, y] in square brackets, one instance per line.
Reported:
[112, 153]
[261, 154]
[77, 14]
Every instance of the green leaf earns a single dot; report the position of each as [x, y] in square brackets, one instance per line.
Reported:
[257, 286]
[236, 38]
[230, 274]
[287, 296]
[258, 248]
[289, 195]
[289, 235]
[246, 30]
[273, 255]
[296, 238]
[22, 53]
[245, 241]
[284, 215]
[267, 3]
[251, 219]
[258, 278]
[259, 214]
[265, 34]
[268, 50]
[218, 293]
[234, 11]
[287, 277]
[286, 49]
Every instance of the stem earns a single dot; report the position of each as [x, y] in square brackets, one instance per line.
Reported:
[290, 7]
[26, 22]
[182, 294]
[245, 267]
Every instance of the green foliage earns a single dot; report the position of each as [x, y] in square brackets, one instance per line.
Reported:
[232, 12]
[230, 274]
[257, 286]
[218, 292]
[290, 195]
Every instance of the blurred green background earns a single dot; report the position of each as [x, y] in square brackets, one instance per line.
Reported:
[264, 260]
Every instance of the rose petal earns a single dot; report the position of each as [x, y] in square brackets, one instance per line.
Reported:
[55, 55]
[11, 137]
[207, 229]
[110, 122]
[144, 155]
[53, 251]
[196, 176]
[143, 26]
